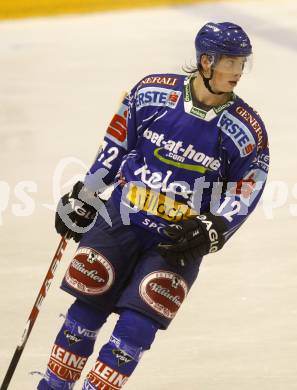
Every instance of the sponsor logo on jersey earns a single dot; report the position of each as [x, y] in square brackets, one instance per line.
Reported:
[263, 161]
[174, 153]
[244, 187]
[247, 189]
[218, 109]
[71, 338]
[198, 112]
[122, 357]
[89, 272]
[158, 204]
[164, 292]
[251, 120]
[151, 224]
[238, 132]
[162, 181]
[105, 377]
[117, 129]
[187, 91]
[66, 365]
[156, 96]
[171, 81]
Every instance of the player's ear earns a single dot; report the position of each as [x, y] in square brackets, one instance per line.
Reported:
[206, 63]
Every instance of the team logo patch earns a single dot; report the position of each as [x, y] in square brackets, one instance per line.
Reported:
[122, 357]
[238, 132]
[90, 272]
[164, 292]
[71, 338]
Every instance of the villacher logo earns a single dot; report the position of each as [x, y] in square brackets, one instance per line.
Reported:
[89, 272]
[164, 292]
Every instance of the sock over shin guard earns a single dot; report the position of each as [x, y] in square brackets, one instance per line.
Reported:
[133, 334]
[72, 347]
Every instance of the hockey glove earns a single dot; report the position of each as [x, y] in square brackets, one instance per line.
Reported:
[193, 238]
[76, 211]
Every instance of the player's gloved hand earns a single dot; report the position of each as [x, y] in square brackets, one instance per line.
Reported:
[76, 211]
[194, 237]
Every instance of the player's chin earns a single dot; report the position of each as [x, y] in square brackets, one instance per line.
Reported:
[230, 85]
[228, 88]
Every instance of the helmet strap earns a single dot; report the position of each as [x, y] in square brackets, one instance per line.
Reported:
[206, 81]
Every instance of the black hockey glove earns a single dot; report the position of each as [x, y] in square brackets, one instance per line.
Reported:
[194, 237]
[76, 211]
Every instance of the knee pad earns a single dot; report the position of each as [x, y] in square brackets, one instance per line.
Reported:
[136, 329]
[134, 333]
[79, 331]
[91, 317]
[132, 336]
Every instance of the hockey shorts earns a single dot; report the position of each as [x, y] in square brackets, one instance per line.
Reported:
[118, 267]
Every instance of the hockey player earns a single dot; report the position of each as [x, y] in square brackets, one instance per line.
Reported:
[188, 159]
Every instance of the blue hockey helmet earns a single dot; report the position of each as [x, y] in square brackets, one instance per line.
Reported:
[218, 39]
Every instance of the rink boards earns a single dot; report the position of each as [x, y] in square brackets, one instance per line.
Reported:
[15, 9]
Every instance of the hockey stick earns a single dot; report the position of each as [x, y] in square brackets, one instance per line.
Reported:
[34, 313]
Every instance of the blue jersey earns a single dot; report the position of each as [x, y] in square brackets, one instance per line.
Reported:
[170, 159]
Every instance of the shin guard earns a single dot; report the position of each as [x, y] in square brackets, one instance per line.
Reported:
[72, 347]
[132, 336]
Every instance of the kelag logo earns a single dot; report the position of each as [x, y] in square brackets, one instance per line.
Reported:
[238, 132]
[155, 96]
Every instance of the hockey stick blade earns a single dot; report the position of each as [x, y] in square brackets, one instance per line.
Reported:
[34, 313]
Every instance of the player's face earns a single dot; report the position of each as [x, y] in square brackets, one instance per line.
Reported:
[227, 73]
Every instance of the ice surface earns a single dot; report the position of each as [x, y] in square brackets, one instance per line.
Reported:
[61, 80]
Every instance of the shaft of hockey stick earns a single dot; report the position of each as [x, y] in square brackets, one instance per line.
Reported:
[34, 313]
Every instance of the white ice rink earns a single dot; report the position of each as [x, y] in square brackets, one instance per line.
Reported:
[60, 82]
